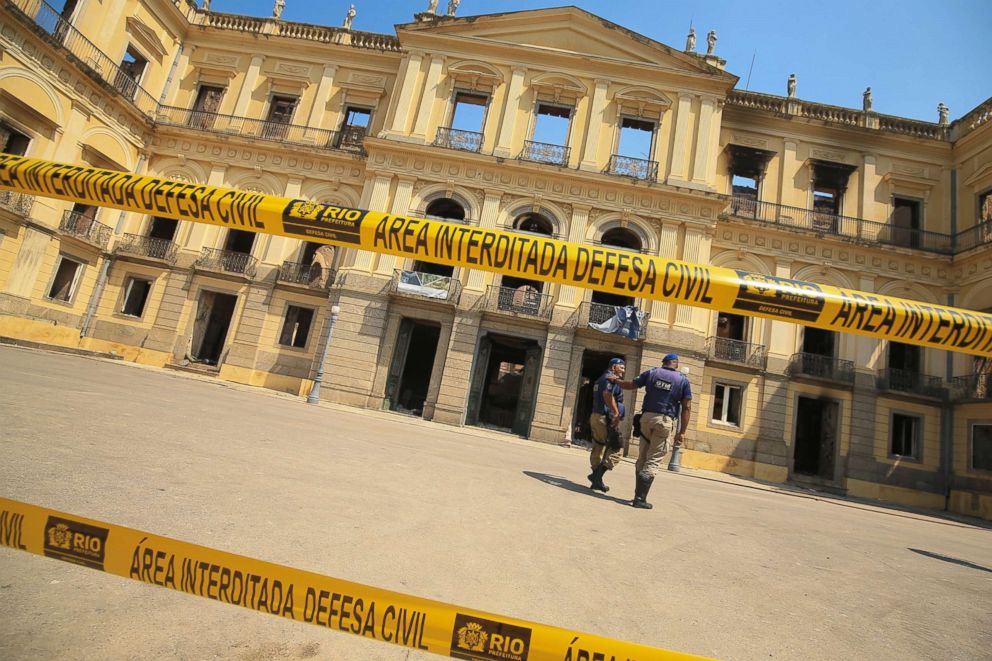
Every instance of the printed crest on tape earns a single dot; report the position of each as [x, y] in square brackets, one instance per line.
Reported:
[479, 639]
[76, 542]
[323, 221]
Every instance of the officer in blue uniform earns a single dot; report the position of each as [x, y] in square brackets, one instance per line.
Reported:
[667, 403]
[607, 412]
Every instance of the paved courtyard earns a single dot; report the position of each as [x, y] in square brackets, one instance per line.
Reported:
[721, 567]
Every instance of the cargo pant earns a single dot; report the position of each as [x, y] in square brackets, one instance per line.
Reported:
[656, 429]
[600, 451]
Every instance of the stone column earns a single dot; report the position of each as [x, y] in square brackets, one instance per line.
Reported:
[248, 85]
[680, 144]
[398, 115]
[490, 212]
[430, 96]
[695, 250]
[401, 207]
[511, 109]
[869, 179]
[701, 165]
[381, 184]
[781, 335]
[668, 246]
[788, 171]
[590, 152]
[569, 296]
[169, 95]
[318, 112]
[274, 248]
[67, 150]
[196, 235]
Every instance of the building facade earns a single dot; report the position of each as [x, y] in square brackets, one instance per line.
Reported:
[549, 121]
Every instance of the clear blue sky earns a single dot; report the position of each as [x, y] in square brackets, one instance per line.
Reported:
[913, 53]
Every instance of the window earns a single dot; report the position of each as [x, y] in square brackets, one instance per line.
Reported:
[131, 69]
[240, 241]
[355, 117]
[906, 222]
[66, 277]
[829, 184]
[280, 116]
[470, 112]
[636, 138]
[747, 167]
[13, 141]
[985, 207]
[551, 124]
[981, 446]
[354, 128]
[135, 296]
[163, 228]
[296, 327]
[905, 357]
[818, 341]
[727, 404]
[208, 99]
[905, 439]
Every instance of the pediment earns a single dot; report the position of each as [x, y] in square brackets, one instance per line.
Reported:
[566, 30]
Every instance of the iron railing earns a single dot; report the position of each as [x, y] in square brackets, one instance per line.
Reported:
[425, 285]
[450, 138]
[544, 152]
[94, 61]
[591, 312]
[308, 275]
[19, 203]
[979, 235]
[827, 223]
[729, 350]
[247, 127]
[421, 213]
[613, 246]
[525, 301]
[637, 168]
[228, 261]
[821, 367]
[971, 387]
[84, 227]
[146, 246]
[351, 138]
[906, 381]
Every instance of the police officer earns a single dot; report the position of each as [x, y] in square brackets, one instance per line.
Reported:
[667, 403]
[607, 412]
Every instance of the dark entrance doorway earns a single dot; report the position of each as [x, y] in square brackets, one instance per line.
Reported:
[213, 318]
[816, 437]
[412, 367]
[504, 383]
[594, 363]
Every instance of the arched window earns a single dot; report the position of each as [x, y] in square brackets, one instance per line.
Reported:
[534, 222]
[621, 237]
[445, 207]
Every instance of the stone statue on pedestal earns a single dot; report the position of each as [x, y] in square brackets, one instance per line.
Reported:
[690, 41]
[792, 86]
[942, 111]
[432, 7]
[349, 17]
[711, 42]
[277, 9]
[866, 104]
[453, 6]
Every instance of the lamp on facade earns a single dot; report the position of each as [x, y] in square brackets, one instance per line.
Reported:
[314, 395]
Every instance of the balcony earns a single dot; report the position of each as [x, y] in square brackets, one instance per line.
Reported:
[450, 138]
[523, 302]
[973, 387]
[636, 168]
[61, 34]
[826, 368]
[85, 229]
[425, 285]
[145, 246]
[245, 127]
[858, 229]
[979, 235]
[912, 383]
[311, 276]
[736, 352]
[18, 203]
[543, 152]
[226, 261]
[591, 312]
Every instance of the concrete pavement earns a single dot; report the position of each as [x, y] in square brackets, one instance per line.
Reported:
[721, 567]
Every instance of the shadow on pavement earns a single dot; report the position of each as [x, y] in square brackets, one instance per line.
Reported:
[568, 485]
[947, 558]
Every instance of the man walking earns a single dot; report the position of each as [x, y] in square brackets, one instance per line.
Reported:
[667, 402]
[607, 412]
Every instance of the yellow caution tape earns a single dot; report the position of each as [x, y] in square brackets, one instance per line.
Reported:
[303, 596]
[593, 267]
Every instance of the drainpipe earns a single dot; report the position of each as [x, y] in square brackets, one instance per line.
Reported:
[172, 72]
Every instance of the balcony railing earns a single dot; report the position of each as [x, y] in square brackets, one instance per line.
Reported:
[307, 275]
[351, 138]
[146, 246]
[591, 312]
[62, 34]
[906, 381]
[19, 203]
[821, 367]
[247, 127]
[979, 235]
[728, 350]
[421, 213]
[837, 225]
[524, 301]
[228, 261]
[450, 138]
[544, 152]
[971, 387]
[85, 228]
[425, 285]
[625, 166]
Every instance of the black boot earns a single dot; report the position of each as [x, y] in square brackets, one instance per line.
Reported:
[641, 488]
[596, 478]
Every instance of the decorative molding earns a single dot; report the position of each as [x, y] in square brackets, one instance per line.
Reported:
[827, 155]
[749, 141]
